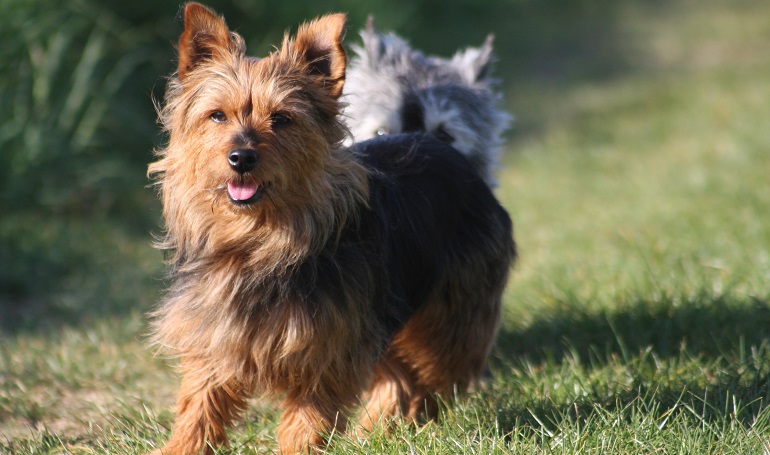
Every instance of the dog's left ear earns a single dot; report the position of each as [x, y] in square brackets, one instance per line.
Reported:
[475, 64]
[319, 45]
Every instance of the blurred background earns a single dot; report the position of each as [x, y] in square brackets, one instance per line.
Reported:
[78, 127]
[77, 123]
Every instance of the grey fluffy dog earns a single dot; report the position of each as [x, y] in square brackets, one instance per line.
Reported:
[391, 88]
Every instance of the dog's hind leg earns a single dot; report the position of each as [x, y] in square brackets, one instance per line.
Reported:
[388, 396]
[440, 351]
[445, 346]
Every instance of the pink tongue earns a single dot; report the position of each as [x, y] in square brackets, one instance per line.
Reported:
[241, 191]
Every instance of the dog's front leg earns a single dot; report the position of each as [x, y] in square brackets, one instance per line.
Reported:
[205, 408]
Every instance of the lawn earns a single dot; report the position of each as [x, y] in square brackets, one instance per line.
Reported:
[636, 321]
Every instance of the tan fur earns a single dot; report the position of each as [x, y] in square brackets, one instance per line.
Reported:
[236, 325]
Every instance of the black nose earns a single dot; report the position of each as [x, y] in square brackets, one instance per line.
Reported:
[242, 160]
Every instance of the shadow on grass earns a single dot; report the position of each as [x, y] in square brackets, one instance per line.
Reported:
[703, 324]
[742, 396]
[705, 355]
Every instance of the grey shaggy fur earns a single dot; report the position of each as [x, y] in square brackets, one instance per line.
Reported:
[391, 88]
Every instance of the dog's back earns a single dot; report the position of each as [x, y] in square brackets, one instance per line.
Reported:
[447, 246]
[433, 206]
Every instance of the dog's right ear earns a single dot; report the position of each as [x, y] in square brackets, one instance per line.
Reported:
[374, 45]
[370, 24]
[205, 36]
[382, 50]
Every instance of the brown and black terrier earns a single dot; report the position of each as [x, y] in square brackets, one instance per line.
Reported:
[332, 276]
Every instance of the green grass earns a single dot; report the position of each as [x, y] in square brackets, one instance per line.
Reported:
[636, 321]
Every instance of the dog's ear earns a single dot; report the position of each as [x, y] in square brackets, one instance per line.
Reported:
[205, 36]
[319, 45]
[373, 44]
[370, 24]
[383, 50]
[475, 64]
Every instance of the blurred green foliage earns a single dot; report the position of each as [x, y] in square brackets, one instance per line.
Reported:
[76, 129]
[77, 121]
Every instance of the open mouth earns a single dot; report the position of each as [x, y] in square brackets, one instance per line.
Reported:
[243, 192]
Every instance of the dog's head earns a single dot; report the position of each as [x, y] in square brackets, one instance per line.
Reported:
[254, 144]
[242, 127]
[392, 88]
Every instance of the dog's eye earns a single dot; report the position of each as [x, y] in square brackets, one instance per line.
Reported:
[381, 132]
[442, 135]
[218, 117]
[279, 120]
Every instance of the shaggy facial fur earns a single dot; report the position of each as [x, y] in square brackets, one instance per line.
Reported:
[332, 276]
[392, 88]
